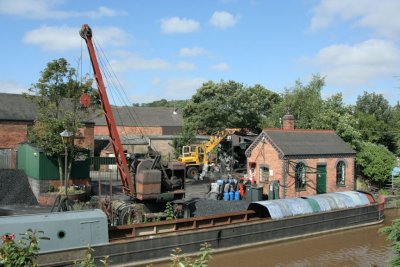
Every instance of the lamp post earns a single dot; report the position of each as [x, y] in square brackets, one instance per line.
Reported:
[66, 137]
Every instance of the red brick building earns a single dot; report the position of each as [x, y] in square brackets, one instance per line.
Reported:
[18, 113]
[137, 126]
[303, 162]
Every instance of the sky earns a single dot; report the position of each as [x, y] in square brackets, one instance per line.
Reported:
[168, 49]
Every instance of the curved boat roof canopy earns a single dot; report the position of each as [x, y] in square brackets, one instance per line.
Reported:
[281, 208]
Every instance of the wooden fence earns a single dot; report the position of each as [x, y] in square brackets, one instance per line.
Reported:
[8, 158]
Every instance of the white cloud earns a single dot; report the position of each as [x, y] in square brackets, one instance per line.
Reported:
[12, 87]
[63, 38]
[47, 9]
[179, 25]
[185, 66]
[380, 16]
[221, 67]
[134, 61]
[358, 64]
[183, 88]
[192, 52]
[223, 19]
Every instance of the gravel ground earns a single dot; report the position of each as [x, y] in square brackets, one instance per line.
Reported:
[15, 189]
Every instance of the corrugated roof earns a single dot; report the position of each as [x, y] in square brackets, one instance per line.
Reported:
[304, 142]
[144, 116]
[282, 208]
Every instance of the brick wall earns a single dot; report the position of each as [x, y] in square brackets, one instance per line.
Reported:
[12, 133]
[85, 137]
[265, 154]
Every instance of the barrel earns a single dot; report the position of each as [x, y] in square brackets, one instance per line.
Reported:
[226, 196]
[231, 195]
[237, 195]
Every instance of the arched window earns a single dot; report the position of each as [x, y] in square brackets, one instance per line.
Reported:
[300, 176]
[340, 173]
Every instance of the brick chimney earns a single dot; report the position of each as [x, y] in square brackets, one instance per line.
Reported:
[288, 120]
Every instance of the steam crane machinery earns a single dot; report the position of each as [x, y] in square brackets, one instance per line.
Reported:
[155, 181]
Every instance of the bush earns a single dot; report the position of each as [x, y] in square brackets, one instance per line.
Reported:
[181, 260]
[21, 253]
[393, 234]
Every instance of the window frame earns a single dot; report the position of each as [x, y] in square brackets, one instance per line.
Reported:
[341, 174]
[264, 169]
[300, 186]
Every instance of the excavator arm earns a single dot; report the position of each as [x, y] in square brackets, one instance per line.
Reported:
[123, 170]
[215, 140]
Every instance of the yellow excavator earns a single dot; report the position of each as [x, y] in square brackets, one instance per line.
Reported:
[196, 156]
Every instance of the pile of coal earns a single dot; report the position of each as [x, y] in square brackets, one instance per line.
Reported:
[15, 189]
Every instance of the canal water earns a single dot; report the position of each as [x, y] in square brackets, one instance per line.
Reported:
[357, 247]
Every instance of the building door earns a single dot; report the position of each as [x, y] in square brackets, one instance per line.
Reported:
[321, 179]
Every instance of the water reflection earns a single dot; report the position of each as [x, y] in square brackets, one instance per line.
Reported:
[358, 247]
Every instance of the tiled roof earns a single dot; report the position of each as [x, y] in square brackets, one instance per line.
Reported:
[304, 142]
[14, 107]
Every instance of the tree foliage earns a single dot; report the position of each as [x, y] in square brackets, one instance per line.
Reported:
[376, 162]
[375, 117]
[304, 101]
[186, 138]
[178, 104]
[216, 106]
[56, 96]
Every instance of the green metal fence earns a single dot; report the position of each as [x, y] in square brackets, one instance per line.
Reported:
[103, 168]
[41, 167]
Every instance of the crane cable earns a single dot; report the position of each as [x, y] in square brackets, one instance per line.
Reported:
[113, 82]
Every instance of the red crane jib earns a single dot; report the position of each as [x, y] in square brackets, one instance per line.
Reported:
[123, 170]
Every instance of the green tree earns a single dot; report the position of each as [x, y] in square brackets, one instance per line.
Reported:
[57, 97]
[375, 116]
[376, 162]
[178, 104]
[394, 129]
[335, 115]
[305, 103]
[347, 130]
[217, 106]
